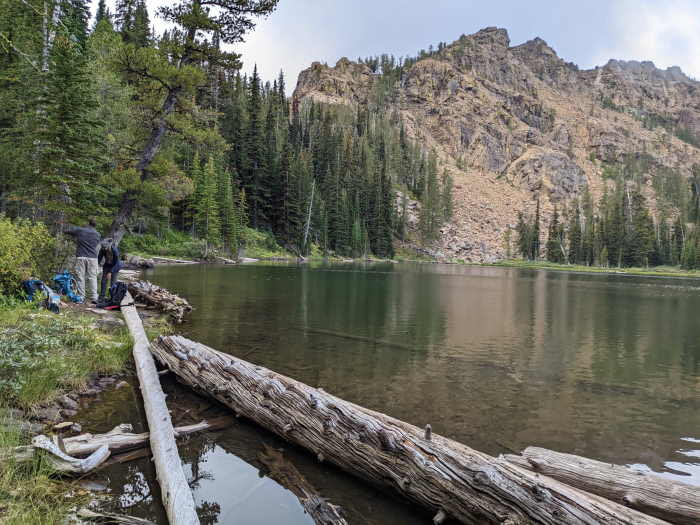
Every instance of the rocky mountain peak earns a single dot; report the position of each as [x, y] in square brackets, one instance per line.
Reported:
[492, 36]
[645, 70]
[519, 124]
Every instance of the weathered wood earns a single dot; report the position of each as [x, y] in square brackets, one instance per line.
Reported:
[175, 491]
[109, 518]
[169, 260]
[66, 464]
[670, 500]
[287, 475]
[119, 439]
[152, 295]
[465, 484]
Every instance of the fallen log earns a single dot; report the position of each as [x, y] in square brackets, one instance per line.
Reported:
[169, 260]
[167, 302]
[119, 439]
[666, 499]
[177, 496]
[287, 475]
[64, 463]
[453, 481]
[108, 518]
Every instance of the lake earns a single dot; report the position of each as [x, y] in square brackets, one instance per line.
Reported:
[605, 366]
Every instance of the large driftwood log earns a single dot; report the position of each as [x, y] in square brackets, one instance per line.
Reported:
[666, 499]
[177, 497]
[453, 481]
[286, 474]
[160, 298]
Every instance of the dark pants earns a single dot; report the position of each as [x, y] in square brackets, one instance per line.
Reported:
[103, 284]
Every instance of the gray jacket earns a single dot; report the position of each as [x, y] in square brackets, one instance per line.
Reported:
[87, 240]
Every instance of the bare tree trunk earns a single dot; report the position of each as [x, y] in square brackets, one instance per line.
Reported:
[177, 496]
[450, 479]
[130, 197]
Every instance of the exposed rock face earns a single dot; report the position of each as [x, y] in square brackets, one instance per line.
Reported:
[514, 124]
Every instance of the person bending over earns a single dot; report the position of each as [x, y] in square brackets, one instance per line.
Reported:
[87, 240]
[108, 258]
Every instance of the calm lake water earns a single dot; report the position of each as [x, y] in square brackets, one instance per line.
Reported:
[605, 366]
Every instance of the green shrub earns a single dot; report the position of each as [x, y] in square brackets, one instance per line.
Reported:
[262, 244]
[170, 242]
[26, 250]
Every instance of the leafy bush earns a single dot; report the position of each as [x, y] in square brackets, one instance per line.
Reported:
[262, 244]
[170, 242]
[26, 250]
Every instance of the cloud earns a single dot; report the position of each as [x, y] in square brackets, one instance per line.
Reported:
[667, 33]
[587, 33]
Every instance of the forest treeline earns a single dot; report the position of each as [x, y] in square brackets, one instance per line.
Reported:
[148, 132]
[621, 229]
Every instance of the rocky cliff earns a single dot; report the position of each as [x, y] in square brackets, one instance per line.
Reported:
[514, 124]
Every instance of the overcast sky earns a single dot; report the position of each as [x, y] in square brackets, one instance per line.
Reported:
[587, 32]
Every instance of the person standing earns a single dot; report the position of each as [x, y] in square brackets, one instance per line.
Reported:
[108, 258]
[87, 240]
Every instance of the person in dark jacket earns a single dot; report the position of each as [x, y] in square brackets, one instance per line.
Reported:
[87, 240]
[108, 258]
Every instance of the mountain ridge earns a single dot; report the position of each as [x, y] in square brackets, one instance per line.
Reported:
[517, 124]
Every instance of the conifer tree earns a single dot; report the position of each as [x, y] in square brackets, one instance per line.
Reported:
[208, 218]
[575, 240]
[524, 237]
[535, 234]
[555, 240]
[102, 13]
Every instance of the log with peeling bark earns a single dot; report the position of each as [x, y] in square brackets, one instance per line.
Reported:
[119, 439]
[177, 496]
[286, 474]
[157, 297]
[666, 499]
[450, 479]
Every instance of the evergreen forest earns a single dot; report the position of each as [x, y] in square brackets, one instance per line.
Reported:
[154, 134]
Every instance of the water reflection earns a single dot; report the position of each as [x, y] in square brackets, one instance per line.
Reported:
[604, 366]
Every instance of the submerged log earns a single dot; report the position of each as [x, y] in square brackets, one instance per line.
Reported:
[452, 481]
[167, 302]
[287, 475]
[666, 499]
[176, 493]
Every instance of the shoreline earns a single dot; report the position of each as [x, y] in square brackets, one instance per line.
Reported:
[659, 271]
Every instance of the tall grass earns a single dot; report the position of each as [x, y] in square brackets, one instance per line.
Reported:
[44, 354]
[29, 492]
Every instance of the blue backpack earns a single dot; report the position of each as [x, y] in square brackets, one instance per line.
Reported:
[66, 285]
[52, 301]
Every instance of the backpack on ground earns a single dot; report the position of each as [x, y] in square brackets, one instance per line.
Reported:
[117, 292]
[66, 285]
[52, 300]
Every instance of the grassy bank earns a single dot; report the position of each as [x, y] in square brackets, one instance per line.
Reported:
[179, 245]
[45, 355]
[657, 271]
